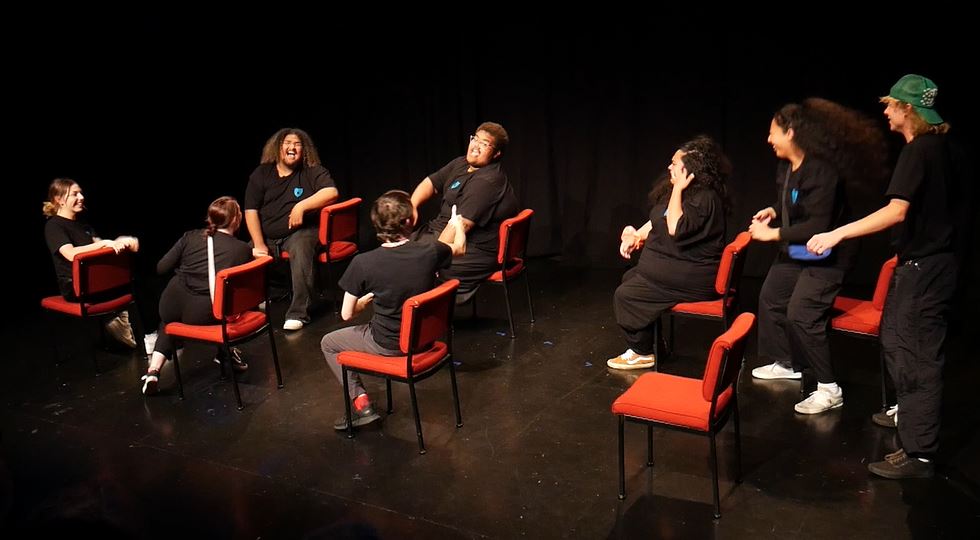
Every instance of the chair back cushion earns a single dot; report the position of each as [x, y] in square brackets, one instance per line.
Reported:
[339, 221]
[733, 252]
[240, 288]
[725, 357]
[428, 315]
[884, 278]
[513, 236]
[100, 271]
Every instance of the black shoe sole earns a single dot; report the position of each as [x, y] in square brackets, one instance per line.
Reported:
[358, 421]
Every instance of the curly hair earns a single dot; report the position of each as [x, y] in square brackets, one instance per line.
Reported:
[391, 216]
[704, 158]
[270, 152]
[842, 137]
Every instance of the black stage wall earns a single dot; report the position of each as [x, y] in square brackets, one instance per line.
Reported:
[158, 117]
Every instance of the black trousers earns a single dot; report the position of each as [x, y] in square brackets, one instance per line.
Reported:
[179, 304]
[794, 308]
[913, 335]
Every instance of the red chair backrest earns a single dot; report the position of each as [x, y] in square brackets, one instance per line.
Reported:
[722, 369]
[730, 256]
[240, 288]
[513, 236]
[427, 315]
[339, 221]
[99, 271]
[884, 278]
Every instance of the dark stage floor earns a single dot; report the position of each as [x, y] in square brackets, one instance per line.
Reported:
[536, 456]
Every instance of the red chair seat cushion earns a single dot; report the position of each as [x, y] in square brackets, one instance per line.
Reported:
[58, 303]
[711, 308]
[245, 325]
[394, 365]
[514, 268]
[857, 316]
[669, 399]
[339, 250]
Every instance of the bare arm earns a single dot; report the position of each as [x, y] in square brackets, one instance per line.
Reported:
[316, 201]
[891, 214]
[70, 251]
[254, 225]
[454, 235]
[354, 305]
[423, 192]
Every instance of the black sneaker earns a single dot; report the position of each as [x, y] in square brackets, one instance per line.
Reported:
[362, 417]
[884, 419]
[151, 382]
[238, 362]
[898, 465]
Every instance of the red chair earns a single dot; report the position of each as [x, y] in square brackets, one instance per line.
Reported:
[425, 319]
[700, 406]
[863, 317]
[337, 234]
[103, 281]
[726, 284]
[238, 291]
[511, 257]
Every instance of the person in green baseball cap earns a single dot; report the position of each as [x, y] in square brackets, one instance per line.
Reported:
[913, 323]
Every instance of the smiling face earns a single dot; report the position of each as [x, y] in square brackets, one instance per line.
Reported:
[72, 202]
[676, 165]
[482, 149]
[781, 141]
[897, 113]
[291, 151]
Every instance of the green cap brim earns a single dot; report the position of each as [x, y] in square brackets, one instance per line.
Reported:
[929, 115]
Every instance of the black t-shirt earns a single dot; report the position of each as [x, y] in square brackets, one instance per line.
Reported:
[189, 256]
[923, 178]
[814, 198]
[59, 231]
[692, 255]
[394, 275]
[274, 197]
[483, 196]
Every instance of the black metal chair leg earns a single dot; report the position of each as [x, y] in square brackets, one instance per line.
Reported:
[622, 459]
[418, 421]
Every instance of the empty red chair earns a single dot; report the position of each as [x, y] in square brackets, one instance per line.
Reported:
[702, 406]
[512, 258]
[426, 320]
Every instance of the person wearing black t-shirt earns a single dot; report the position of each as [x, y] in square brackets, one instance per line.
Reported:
[188, 296]
[67, 236]
[386, 277]
[282, 203]
[682, 245]
[913, 323]
[824, 145]
[477, 185]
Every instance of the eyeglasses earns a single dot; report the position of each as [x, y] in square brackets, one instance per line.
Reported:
[481, 145]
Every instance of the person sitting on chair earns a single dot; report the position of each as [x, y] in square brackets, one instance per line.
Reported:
[386, 276]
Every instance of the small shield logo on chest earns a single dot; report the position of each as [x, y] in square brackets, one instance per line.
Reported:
[298, 192]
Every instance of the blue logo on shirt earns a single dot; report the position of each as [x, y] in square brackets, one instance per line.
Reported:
[454, 185]
[299, 191]
[794, 194]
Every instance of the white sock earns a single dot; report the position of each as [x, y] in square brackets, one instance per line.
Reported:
[830, 388]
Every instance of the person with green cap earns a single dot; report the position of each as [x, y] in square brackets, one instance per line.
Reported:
[913, 324]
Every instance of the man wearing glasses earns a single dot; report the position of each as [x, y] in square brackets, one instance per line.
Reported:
[477, 186]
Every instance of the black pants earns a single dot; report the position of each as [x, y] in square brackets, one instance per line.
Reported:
[639, 302]
[471, 269]
[913, 333]
[179, 304]
[794, 308]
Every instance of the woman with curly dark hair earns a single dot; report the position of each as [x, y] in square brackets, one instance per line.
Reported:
[682, 245]
[824, 146]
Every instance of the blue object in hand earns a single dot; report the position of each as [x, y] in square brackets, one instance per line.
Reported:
[800, 253]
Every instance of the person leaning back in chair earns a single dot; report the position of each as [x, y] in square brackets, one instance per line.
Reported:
[477, 185]
[68, 236]
[282, 203]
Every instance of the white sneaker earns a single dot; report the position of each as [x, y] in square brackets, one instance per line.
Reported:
[631, 360]
[292, 324]
[819, 401]
[775, 371]
[120, 330]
